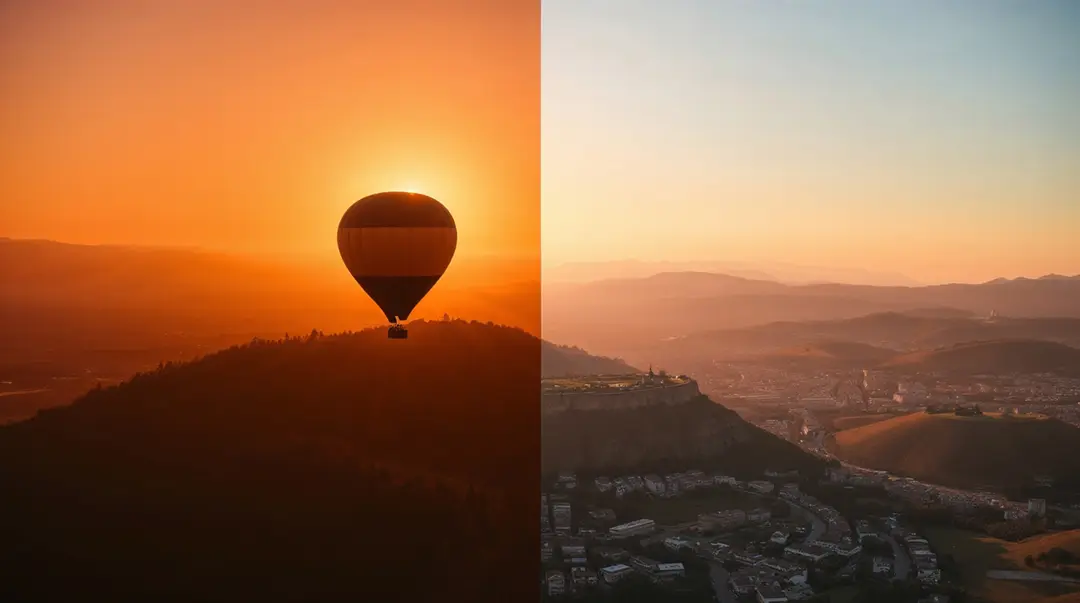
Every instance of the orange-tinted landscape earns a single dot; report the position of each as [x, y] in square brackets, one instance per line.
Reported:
[193, 400]
[174, 173]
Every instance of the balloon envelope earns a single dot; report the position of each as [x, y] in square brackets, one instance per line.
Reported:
[397, 246]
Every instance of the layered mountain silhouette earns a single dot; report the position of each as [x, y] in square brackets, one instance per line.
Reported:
[863, 341]
[76, 297]
[318, 468]
[619, 316]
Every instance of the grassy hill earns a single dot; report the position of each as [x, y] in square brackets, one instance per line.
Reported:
[987, 451]
[995, 357]
[975, 554]
[284, 471]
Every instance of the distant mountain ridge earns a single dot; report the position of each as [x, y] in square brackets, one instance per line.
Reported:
[892, 339]
[772, 271]
[620, 316]
[62, 296]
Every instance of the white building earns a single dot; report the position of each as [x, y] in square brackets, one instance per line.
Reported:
[556, 583]
[770, 594]
[725, 480]
[675, 543]
[614, 573]
[633, 528]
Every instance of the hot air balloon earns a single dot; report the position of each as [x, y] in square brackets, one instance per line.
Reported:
[397, 246]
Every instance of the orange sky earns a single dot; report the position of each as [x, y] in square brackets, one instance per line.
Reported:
[251, 126]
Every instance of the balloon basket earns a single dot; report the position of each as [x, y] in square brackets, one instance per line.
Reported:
[398, 332]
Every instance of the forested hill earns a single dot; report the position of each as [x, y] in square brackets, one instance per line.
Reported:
[322, 468]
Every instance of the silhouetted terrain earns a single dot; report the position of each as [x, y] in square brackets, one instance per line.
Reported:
[974, 452]
[699, 433]
[618, 316]
[319, 468]
[58, 296]
[907, 331]
[995, 358]
[564, 361]
[767, 271]
[73, 315]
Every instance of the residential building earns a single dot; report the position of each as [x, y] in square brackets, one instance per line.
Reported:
[759, 515]
[810, 551]
[633, 528]
[583, 576]
[573, 547]
[741, 585]
[791, 573]
[770, 594]
[725, 480]
[642, 564]
[675, 543]
[761, 486]
[1037, 507]
[614, 573]
[747, 558]
[556, 583]
[663, 572]
[612, 554]
[560, 512]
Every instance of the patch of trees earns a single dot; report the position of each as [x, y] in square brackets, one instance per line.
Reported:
[329, 468]
[1057, 560]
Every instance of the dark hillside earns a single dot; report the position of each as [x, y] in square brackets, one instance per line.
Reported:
[699, 433]
[323, 468]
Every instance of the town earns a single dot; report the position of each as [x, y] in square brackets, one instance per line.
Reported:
[763, 539]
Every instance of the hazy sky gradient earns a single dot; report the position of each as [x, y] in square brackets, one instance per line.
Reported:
[937, 139]
[251, 125]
